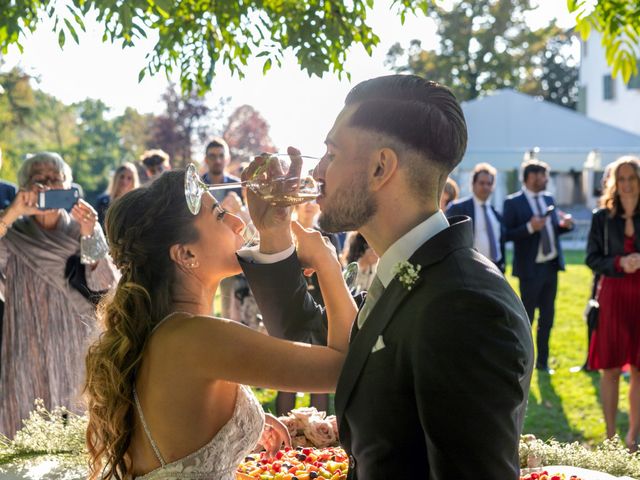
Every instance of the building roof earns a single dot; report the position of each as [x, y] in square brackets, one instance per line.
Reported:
[505, 124]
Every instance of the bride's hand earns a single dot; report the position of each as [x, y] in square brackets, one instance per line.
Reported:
[314, 251]
[275, 433]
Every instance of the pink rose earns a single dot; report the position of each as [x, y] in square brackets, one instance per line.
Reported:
[320, 432]
[292, 424]
[304, 414]
[334, 424]
[300, 441]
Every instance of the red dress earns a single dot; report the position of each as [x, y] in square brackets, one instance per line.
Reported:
[616, 340]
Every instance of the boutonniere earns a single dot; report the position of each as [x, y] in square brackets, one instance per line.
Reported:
[407, 273]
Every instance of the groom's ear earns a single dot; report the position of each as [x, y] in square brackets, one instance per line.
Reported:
[181, 255]
[384, 167]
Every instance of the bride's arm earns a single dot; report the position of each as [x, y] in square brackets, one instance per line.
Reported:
[221, 349]
[317, 253]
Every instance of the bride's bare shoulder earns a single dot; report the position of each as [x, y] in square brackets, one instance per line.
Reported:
[181, 325]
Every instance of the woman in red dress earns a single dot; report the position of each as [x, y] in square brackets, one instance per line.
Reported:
[613, 251]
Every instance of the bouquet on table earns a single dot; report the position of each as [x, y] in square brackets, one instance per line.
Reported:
[310, 428]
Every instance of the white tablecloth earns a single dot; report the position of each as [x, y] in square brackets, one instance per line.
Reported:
[583, 473]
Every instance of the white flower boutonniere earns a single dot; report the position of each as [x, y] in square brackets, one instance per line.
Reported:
[407, 273]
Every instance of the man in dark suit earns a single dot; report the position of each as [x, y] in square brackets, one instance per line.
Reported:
[441, 353]
[7, 194]
[7, 190]
[534, 226]
[488, 229]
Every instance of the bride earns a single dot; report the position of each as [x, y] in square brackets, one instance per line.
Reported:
[165, 380]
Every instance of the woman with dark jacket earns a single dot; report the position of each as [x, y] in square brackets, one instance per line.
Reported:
[613, 252]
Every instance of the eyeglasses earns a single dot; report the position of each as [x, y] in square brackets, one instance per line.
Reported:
[57, 181]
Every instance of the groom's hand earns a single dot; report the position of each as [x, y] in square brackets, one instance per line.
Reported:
[273, 223]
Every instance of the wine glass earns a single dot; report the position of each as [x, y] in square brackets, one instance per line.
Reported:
[278, 181]
[350, 275]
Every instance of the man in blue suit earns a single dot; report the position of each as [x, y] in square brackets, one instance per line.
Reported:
[7, 190]
[7, 194]
[488, 230]
[535, 228]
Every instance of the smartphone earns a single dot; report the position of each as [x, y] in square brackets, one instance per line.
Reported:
[65, 199]
[549, 210]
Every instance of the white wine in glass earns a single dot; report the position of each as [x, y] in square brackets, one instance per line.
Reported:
[278, 181]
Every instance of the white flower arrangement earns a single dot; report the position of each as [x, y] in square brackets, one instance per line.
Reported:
[610, 457]
[407, 273]
[56, 440]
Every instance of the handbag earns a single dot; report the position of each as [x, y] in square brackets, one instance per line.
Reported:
[74, 272]
[592, 311]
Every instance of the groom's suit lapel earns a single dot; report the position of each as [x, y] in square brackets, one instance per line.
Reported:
[363, 342]
[459, 235]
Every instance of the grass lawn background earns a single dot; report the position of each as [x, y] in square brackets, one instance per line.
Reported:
[564, 406]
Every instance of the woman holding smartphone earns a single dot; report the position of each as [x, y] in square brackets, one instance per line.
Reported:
[47, 322]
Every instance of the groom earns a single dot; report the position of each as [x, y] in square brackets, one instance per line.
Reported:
[436, 380]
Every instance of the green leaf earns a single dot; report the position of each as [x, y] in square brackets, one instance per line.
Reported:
[626, 70]
[141, 74]
[164, 6]
[61, 38]
[72, 30]
[125, 18]
[266, 67]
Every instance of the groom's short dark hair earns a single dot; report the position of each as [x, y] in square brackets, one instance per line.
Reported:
[423, 115]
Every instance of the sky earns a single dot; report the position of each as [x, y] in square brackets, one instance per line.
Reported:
[299, 109]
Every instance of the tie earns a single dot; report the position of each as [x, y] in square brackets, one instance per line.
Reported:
[544, 234]
[493, 251]
[373, 294]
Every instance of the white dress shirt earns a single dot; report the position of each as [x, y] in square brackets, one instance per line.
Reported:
[481, 236]
[406, 245]
[399, 251]
[254, 255]
[535, 208]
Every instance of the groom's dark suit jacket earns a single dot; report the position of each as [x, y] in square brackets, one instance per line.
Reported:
[446, 397]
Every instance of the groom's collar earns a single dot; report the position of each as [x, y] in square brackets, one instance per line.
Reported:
[402, 249]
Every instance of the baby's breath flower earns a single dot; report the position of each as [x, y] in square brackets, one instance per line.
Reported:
[407, 273]
[58, 435]
[610, 457]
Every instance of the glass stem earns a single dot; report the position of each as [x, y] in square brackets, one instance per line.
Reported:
[226, 186]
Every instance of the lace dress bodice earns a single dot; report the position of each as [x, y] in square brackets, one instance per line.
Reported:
[218, 459]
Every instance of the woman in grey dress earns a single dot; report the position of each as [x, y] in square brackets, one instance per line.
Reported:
[47, 322]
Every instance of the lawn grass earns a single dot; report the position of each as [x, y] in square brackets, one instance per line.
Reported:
[564, 406]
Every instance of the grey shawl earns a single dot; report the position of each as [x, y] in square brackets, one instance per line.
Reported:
[47, 324]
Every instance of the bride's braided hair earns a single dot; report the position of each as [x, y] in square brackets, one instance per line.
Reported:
[141, 227]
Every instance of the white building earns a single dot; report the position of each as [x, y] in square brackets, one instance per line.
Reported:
[503, 125]
[602, 97]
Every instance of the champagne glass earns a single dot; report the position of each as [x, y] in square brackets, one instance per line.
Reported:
[278, 181]
[350, 275]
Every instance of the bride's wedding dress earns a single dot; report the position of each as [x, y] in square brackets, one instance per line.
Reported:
[218, 459]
